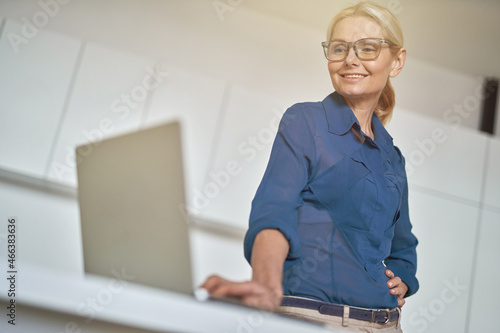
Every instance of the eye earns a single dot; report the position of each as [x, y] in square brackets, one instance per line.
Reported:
[368, 47]
[338, 48]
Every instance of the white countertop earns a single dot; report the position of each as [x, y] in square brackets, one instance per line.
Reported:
[127, 303]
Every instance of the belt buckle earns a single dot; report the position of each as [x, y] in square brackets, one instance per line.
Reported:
[387, 315]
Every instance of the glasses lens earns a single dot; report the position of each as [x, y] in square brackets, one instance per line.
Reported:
[367, 48]
[336, 50]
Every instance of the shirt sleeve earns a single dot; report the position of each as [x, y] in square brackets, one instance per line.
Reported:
[276, 203]
[402, 260]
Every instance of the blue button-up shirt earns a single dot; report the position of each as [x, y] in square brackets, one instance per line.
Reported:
[341, 200]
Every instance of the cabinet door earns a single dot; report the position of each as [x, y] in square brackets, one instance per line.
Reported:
[492, 181]
[446, 231]
[196, 101]
[34, 85]
[108, 99]
[485, 294]
[243, 147]
[439, 156]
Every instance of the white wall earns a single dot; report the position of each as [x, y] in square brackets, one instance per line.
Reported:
[448, 186]
[228, 80]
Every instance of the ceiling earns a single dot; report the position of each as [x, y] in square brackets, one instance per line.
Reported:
[462, 35]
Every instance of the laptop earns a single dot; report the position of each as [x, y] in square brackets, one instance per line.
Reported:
[131, 196]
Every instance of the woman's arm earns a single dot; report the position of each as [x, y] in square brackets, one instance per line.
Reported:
[265, 290]
[272, 234]
[402, 261]
[268, 256]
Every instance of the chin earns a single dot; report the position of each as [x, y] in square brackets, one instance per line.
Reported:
[350, 93]
[350, 90]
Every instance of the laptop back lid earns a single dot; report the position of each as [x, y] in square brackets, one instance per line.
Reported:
[131, 194]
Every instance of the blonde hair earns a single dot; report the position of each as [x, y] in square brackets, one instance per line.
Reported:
[391, 30]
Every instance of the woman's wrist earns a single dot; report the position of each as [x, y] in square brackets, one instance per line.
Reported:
[273, 285]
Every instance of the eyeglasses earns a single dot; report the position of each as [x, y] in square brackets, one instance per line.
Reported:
[365, 49]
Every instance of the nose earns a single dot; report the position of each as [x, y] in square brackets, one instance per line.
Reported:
[351, 57]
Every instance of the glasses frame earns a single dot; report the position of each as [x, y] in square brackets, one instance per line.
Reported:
[353, 46]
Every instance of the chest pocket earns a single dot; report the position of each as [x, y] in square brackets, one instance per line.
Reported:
[348, 192]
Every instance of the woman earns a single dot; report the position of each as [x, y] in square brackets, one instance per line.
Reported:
[330, 237]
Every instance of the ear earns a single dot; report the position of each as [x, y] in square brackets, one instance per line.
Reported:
[398, 63]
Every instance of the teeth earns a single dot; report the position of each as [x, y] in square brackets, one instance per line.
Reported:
[354, 76]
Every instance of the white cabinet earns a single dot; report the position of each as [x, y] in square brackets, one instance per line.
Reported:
[446, 232]
[439, 156]
[492, 181]
[108, 98]
[34, 86]
[48, 229]
[485, 292]
[242, 151]
[195, 101]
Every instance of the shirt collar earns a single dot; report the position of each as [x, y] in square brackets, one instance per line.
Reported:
[382, 137]
[341, 119]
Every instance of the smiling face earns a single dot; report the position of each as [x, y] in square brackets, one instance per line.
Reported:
[358, 79]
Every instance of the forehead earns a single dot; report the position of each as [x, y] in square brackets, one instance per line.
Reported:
[356, 27]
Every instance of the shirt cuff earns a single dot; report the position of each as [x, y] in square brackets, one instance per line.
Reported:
[289, 234]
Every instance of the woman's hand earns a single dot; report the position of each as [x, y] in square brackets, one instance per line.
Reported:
[396, 287]
[264, 290]
[250, 293]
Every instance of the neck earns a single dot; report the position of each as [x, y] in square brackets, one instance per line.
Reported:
[363, 110]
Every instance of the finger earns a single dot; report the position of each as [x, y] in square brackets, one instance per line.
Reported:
[389, 273]
[394, 282]
[399, 291]
[404, 289]
[396, 291]
[212, 282]
[237, 289]
[401, 302]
